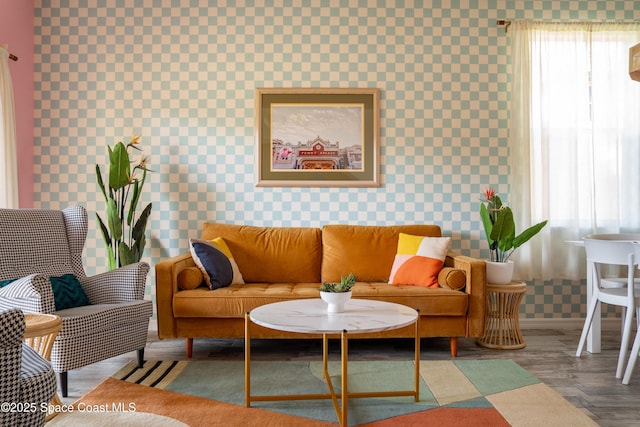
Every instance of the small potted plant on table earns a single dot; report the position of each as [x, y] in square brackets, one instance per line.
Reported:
[337, 294]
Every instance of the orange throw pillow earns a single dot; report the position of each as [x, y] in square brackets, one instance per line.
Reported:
[419, 260]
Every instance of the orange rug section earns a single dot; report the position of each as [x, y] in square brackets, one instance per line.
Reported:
[459, 417]
[191, 410]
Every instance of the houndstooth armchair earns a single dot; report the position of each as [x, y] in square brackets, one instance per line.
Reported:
[27, 381]
[38, 245]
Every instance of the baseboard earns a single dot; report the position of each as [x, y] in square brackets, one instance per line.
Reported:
[565, 323]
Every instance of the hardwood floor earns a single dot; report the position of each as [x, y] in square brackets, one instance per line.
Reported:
[588, 382]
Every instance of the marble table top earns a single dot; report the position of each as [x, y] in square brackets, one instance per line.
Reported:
[310, 316]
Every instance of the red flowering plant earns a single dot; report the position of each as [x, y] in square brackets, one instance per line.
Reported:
[500, 228]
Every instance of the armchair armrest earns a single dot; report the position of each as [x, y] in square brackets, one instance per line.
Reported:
[31, 294]
[476, 288]
[116, 286]
[166, 286]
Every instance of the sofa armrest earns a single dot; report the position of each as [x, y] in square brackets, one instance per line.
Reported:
[31, 294]
[166, 287]
[476, 288]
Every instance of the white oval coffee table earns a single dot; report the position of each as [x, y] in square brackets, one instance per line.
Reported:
[310, 316]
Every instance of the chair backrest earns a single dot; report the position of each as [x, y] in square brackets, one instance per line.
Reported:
[636, 252]
[608, 251]
[42, 241]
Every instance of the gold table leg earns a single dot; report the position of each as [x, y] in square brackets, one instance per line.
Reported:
[247, 362]
[344, 361]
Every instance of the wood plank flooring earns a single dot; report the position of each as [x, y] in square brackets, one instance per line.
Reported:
[588, 382]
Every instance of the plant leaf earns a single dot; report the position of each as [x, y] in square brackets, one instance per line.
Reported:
[134, 202]
[113, 219]
[111, 259]
[104, 230]
[100, 182]
[504, 229]
[486, 222]
[126, 256]
[141, 224]
[119, 170]
[528, 234]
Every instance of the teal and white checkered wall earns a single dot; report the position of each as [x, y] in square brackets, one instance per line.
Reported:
[182, 74]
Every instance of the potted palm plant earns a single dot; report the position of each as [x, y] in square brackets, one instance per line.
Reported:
[124, 230]
[500, 230]
[336, 295]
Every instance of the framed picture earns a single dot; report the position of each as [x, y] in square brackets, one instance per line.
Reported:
[317, 137]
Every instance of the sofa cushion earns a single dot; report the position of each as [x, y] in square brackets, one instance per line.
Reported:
[234, 301]
[366, 251]
[215, 266]
[419, 260]
[272, 254]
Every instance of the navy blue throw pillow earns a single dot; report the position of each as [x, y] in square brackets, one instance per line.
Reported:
[68, 292]
[214, 264]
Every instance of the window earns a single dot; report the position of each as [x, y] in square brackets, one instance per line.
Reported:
[575, 137]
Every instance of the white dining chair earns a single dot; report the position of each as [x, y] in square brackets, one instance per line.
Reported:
[611, 290]
[633, 358]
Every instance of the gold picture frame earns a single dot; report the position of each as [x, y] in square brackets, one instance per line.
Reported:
[317, 137]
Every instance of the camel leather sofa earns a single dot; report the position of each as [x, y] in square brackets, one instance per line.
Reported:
[283, 263]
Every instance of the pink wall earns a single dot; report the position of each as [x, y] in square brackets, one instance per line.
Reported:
[16, 30]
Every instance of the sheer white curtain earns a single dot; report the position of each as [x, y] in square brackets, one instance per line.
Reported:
[8, 156]
[574, 139]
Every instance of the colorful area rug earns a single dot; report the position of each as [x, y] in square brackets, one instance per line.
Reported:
[211, 393]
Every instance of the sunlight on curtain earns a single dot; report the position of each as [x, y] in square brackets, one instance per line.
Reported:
[8, 156]
[574, 139]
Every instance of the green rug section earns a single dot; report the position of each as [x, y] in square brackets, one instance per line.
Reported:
[382, 375]
[495, 376]
[224, 381]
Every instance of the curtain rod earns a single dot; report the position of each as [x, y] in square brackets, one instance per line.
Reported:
[503, 23]
[13, 57]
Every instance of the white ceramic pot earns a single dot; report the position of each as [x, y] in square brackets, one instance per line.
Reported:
[499, 273]
[335, 300]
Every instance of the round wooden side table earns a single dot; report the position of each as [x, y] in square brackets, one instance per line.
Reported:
[40, 333]
[502, 327]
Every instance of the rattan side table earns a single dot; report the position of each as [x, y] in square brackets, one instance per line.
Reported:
[502, 328]
[40, 333]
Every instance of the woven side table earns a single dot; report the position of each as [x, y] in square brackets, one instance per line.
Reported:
[40, 333]
[502, 328]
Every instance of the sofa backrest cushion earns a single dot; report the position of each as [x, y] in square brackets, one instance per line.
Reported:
[272, 254]
[367, 251]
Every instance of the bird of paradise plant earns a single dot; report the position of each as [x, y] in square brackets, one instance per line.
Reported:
[500, 228]
[124, 234]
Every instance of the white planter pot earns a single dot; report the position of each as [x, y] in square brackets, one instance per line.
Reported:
[335, 300]
[499, 273]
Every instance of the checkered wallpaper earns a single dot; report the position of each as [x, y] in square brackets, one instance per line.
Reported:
[182, 74]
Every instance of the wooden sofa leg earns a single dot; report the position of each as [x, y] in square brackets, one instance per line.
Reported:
[189, 347]
[64, 389]
[453, 345]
